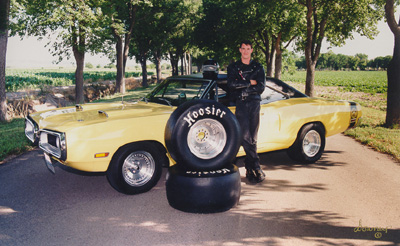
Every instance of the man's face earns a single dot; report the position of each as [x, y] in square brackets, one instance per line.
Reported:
[246, 51]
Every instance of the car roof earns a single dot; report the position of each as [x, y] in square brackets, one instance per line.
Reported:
[198, 76]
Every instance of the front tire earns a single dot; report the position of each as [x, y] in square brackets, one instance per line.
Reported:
[309, 145]
[135, 168]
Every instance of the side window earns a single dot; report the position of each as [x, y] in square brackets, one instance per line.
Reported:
[219, 93]
[272, 94]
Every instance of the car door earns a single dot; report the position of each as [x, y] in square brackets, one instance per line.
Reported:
[269, 133]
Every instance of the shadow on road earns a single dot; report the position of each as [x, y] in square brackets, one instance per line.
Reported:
[38, 208]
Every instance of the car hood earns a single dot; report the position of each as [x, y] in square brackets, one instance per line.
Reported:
[62, 119]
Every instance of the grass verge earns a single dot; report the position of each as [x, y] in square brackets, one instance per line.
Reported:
[372, 133]
[12, 139]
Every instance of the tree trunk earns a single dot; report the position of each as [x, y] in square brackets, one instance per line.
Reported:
[393, 90]
[270, 60]
[190, 67]
[310, 80]
[278, 57]
[80, 63]
[393, 72]
[144, 71]
[182, 63]
[4, 15]
[158, 70]
[120, 80]
[158, 66]
[310, 54]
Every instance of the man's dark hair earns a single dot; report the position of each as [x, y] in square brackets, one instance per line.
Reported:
[246, 42]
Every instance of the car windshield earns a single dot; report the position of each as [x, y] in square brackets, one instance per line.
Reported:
[174, 92]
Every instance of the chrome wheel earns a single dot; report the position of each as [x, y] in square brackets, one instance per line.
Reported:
[311, 143]
[206, 138]
[138, 168]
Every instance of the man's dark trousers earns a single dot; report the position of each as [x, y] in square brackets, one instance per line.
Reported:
[248, 115]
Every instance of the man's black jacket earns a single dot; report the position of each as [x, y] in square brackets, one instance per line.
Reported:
[239, 76]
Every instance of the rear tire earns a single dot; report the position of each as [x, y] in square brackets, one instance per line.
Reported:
[203, 191]
[309, 145]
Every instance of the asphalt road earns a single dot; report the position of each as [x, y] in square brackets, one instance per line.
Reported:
[350, 197]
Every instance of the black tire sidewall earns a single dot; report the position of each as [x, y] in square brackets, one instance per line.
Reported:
[203, 191]
[296, 151]
[178, 127]
[114, 172]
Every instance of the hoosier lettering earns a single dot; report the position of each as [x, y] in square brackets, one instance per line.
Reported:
[193, 115]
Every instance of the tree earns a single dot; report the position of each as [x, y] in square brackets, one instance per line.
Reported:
[143, 38]
[335, 21]
[74, 22]
[393, 72]
[180, 40]
[120, 22]
[4, 15]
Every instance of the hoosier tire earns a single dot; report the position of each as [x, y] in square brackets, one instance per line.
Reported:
[203, 191]
[203, 135]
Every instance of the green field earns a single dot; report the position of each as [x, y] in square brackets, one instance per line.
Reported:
[18, 79]
[351, 81]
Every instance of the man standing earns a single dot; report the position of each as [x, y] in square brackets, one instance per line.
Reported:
[246, 80]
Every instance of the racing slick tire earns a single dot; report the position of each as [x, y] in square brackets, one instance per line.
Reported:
[309, 145]
[135, 168]
[203, 191]
[203, 135]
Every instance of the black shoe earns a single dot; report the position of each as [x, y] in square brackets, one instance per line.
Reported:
[259, 175]
[250, 175]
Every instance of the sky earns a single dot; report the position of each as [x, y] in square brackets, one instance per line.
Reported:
[31, 53]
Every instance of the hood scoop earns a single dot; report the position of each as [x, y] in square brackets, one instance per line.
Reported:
[78, 107]
[103, 113]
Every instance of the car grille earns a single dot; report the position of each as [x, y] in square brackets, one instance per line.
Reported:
[53, 143]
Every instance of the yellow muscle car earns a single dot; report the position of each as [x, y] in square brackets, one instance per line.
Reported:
[126, 140]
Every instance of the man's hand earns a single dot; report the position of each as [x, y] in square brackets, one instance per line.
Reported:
[253, 82]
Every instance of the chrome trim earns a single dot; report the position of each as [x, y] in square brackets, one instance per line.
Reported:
[31, 129]
[311, 143]
[101, 112]
[78, 107]
[56, 147]
[353, 115]
[138, 168]
[207, 138]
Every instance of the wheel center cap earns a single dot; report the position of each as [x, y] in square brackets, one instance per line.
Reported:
[201, 135]
[134, 168]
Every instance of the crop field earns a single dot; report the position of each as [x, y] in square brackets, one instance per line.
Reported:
[350, 81]
[18, 79]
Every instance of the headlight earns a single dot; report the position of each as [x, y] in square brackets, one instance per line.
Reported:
[31, 129]
[53, 143]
